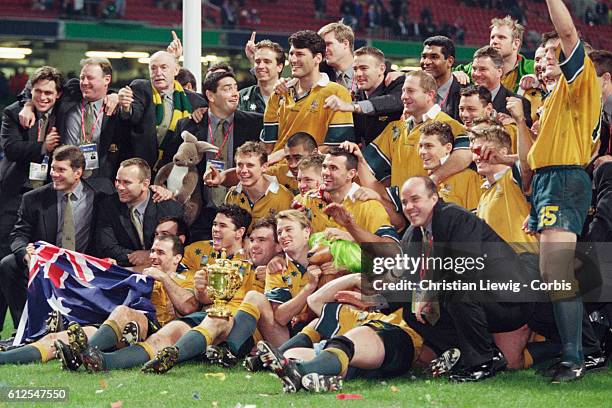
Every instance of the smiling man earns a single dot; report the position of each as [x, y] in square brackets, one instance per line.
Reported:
[24, 148]
[151, 108]
[227, 128]
[60, 213]
[127, 220]
[256, 192]
[301, 107]
[339, 169]
[394, 153]
[268, 64]
[487, 71]
[435, 146]
[437, 59]
[507, 37]
[375, 104]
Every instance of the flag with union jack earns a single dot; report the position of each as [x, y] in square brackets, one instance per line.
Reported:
[82, 288]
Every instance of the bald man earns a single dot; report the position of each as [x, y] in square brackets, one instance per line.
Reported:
[152, 108]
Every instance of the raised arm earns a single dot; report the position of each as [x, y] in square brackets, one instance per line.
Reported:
[564, 26]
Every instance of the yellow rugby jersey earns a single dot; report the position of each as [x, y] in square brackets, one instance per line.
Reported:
[369, 215]
[286, 115]
[504, 207]
[571, 117]
[346, 317]
[395, 152]
[462, 188]
[283, 286]
[164, 309]
[511, 79]
[513, 132]
[284, 176]
[277, 198]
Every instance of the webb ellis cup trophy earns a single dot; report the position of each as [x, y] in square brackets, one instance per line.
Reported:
[224, 279]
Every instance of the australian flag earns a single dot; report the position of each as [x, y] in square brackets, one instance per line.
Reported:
[82, 288]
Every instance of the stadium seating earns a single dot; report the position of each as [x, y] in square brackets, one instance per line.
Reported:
[289, 15]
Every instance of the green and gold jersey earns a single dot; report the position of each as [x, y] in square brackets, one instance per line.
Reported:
[286, 115]
[369, 215]
[504, 207]
[277, 198]
[395, 152]
[571, 116]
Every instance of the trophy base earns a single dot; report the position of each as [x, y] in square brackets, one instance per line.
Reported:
[219, 313]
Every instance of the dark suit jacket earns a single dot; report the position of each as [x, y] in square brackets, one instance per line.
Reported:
[459, 233]
[451, 106]
[112, 141]
[117, 236]
[142, 123]
[387, 108]
[37, 216]
[21, 147]
[247, 127]
[499, 103]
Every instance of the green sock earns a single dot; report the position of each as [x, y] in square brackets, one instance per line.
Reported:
[299, 340]
[104, 338]
[325, 363]
[190, 345]
[244, 327]
[133, 356]
[21, 355]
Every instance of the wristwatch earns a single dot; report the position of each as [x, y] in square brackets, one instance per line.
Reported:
[356, 107]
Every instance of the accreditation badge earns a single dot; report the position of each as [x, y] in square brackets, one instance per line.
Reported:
[38, 171]
[90, 151]
[219, 165]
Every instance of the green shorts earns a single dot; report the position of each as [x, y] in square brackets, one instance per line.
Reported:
[399, 352]
[561, 197]
[193, 319]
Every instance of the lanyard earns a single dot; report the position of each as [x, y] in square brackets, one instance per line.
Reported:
[93, 126]
[212, 140]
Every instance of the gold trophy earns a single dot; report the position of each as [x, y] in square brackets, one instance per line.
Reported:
[224, 279]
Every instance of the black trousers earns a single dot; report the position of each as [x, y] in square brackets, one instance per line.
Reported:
[440, 337]
[475, 321]
[8, 218]
[13, 275]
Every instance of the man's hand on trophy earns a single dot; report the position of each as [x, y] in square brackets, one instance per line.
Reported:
[200, 280]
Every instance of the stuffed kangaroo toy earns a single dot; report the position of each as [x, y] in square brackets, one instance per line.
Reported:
[181, 175]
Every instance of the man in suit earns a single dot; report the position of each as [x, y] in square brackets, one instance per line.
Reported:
[23, 146]
[375, 105]
[227, 128]
[437, 59]
[487, 71]
[475, 315]
[59, 213]
[126, 224]
[152, 108]
[83, 119]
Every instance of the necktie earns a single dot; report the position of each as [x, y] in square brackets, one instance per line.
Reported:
[344, 80]
[137, 225]
[68, 230]
[162, 129]
[43, 122]
[218, 193]
[89, 121]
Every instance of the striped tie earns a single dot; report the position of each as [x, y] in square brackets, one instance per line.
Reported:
[68, 230]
